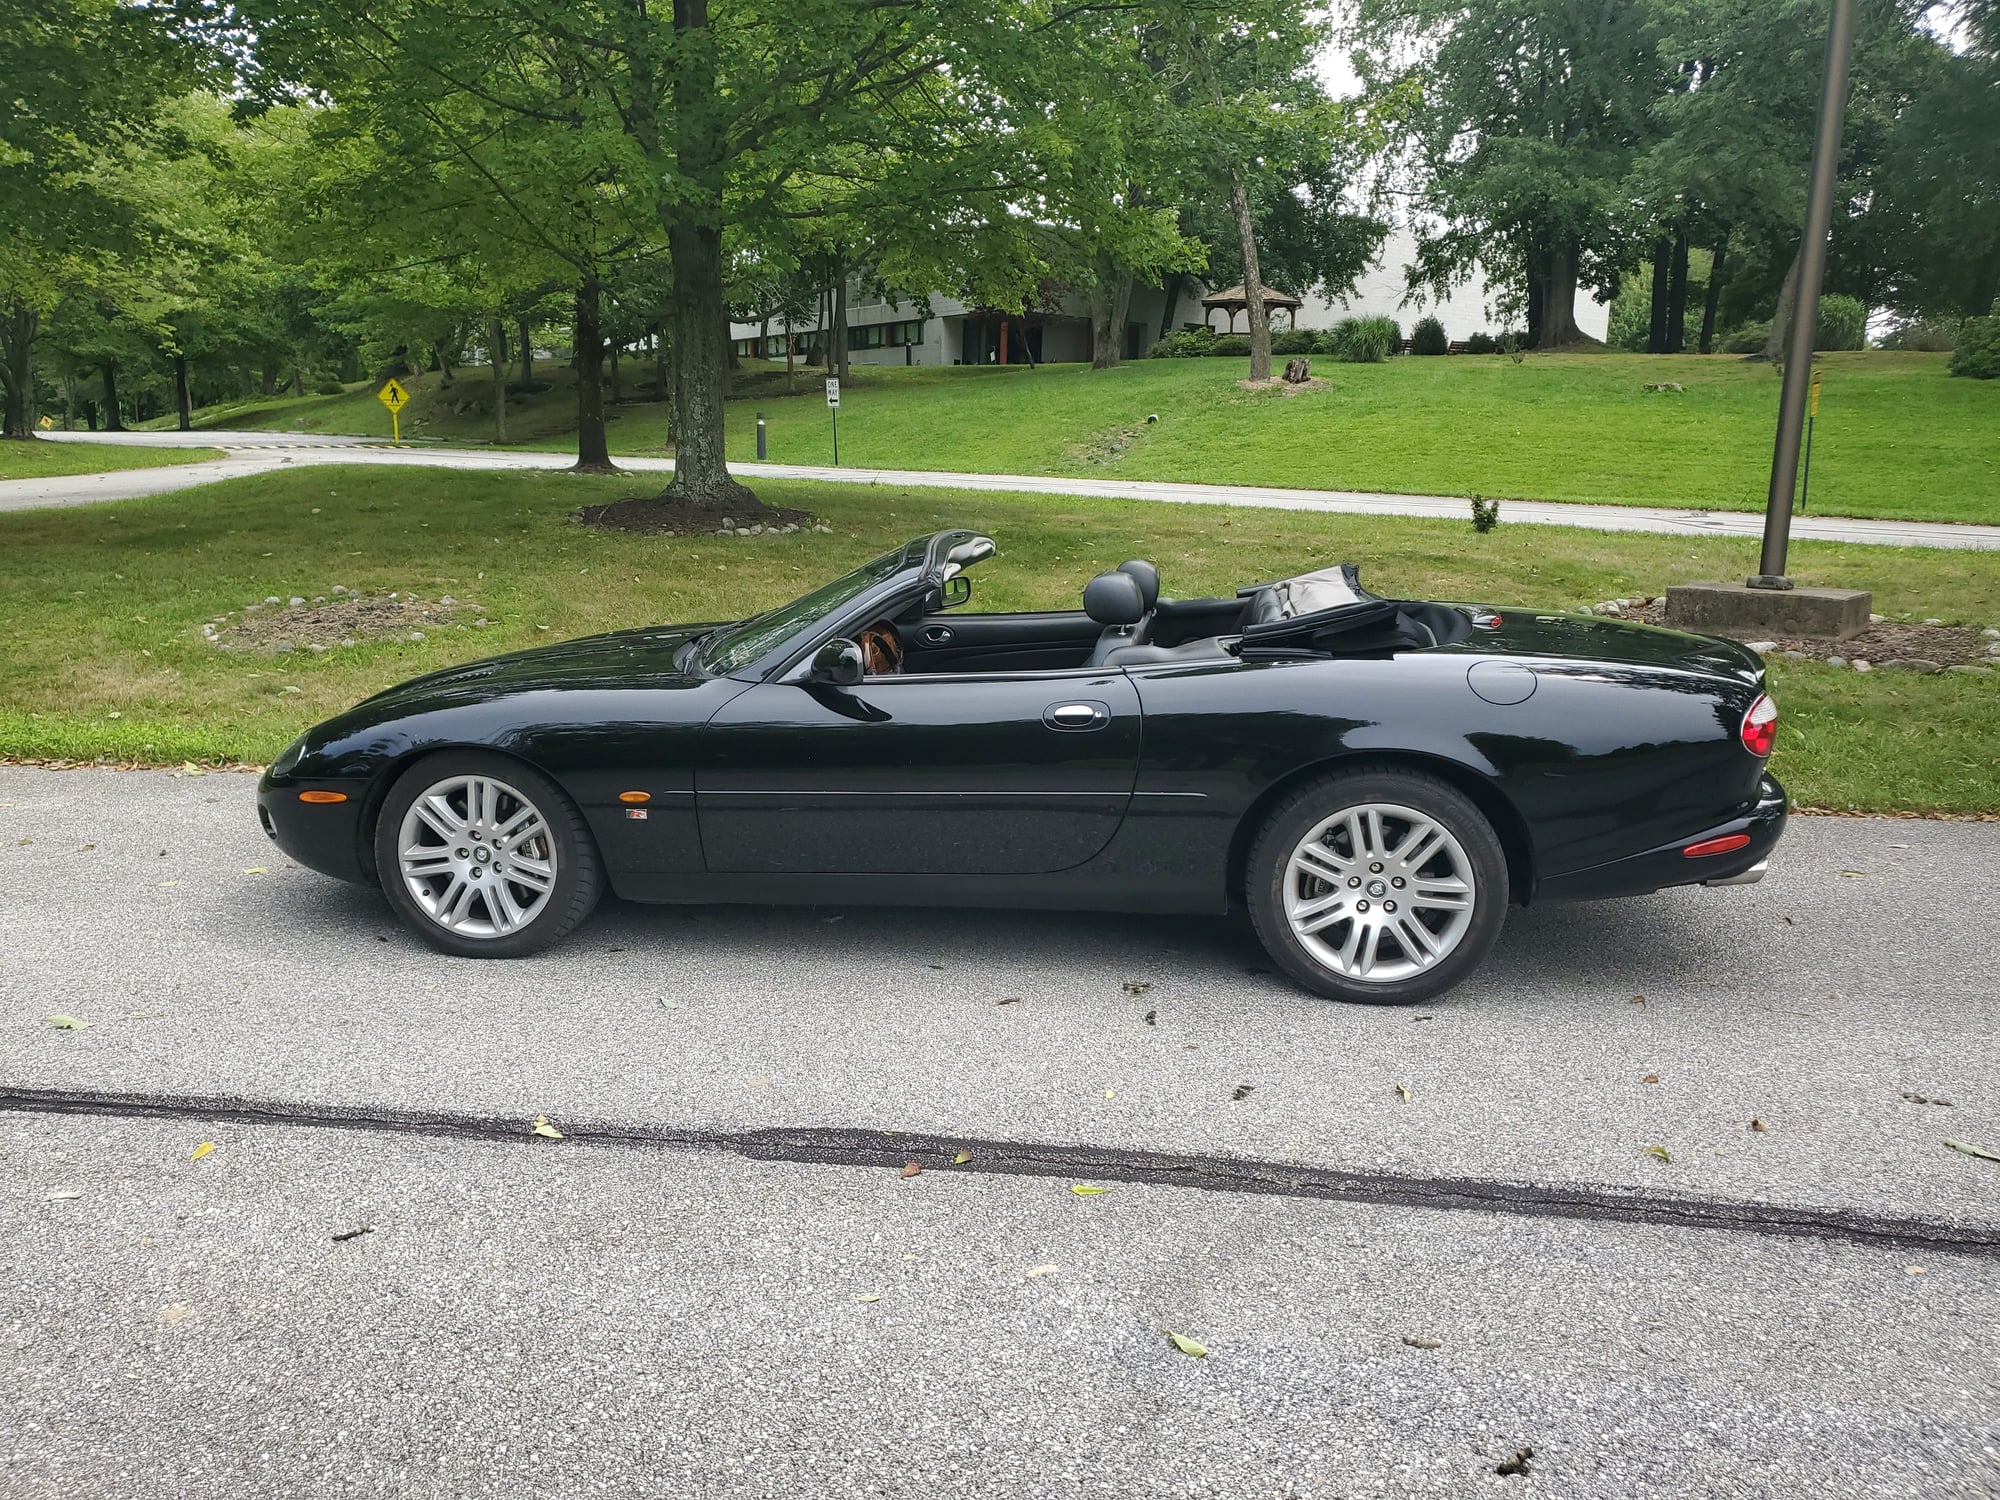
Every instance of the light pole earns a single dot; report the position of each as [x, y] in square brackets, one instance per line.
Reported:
[1805, 312]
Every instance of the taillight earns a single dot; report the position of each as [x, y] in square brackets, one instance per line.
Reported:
[1760, 727]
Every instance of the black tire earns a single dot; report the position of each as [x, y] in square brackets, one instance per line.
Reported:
[578, 875]
[1268, 875]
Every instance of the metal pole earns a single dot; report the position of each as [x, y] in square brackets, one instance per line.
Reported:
[760, 437]
[1805, 312]
[836, 437]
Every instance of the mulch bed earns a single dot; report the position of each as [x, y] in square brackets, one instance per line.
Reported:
[654, 516]
[341, 619]
[1888, 640]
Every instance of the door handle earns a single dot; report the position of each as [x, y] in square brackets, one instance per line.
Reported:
[1083, 714]
[936, 635]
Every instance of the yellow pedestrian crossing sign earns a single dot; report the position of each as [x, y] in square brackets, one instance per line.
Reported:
[395, 398]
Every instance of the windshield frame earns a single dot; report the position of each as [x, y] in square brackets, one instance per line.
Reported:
[877, 587]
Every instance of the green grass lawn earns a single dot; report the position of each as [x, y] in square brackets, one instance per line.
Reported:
[1896, 436]
[101, 607]
[40, 459]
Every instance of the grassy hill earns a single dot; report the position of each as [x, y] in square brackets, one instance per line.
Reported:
[1896, 436]
[40, 459]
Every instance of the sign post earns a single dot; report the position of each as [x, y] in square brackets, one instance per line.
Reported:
[833, 405]
[395, 398]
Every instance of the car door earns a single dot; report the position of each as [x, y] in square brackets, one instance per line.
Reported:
[971, 773]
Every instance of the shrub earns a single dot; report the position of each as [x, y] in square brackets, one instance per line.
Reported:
[1294, 341]
[329, 388]
[1482, 343]
[1329, 340]
[1365, 341]
[1978, 352]
[1749, 339]
[1923, 335]
[1231, 346]
[1185, 343]
[1485, 514]
[1428, 337]
[1843, 324]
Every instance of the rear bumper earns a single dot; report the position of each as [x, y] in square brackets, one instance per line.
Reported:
[321, 836]
[1655, 869]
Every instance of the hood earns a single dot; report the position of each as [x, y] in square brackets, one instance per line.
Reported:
[622, 657]
[1529, 633]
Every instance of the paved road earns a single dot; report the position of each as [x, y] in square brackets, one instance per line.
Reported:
[616, 1313]
[257, 452]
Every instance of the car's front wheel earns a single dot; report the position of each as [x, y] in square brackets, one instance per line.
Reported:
[484, 857]
[1379, 886]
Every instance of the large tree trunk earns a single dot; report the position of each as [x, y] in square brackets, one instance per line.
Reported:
[113, 420]
[1110, 297]
[838, 363]
[496, 356]
[790, 360]
[701, 473]
[183, 403]
[17, 370]
[1677, 296]
[1559, 299]
[527, 351]
[1253, 280]
[1781, 319]
[1717, 273]
[1656, 330]
[593, 453]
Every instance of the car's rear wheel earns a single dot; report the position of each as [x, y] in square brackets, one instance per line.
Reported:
[484, 857]
[1379, 886]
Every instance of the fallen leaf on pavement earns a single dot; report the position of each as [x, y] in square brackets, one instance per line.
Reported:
[1111, 1093]
[1660, 1151]
[1650, 1078]
[256, 870]
[1137, 986]
[1971, 1150]
[1042, 1271]
[543, 1128]
[1920, 1099]
[869, 1297]
[1517, 1464]
[911, 1168]
[62, 1197]
[1085, 1190]
[1852, 875]
[1242, 1092]
[1403, 1089]
[70, 1023]
[202, 1150]
[1759, 1126]
[1636, 1000]
[1010, 1000]
[1422, 1343]
[353, 1234]
[173, 1312]
[1185, 1344]
[961, 1159]
[1151, 1018]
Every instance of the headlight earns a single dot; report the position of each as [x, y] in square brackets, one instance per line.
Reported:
[289, 757]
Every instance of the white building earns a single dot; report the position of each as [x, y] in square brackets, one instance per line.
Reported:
[883, 332]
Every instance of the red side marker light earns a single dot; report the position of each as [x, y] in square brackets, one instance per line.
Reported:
[1760, 727]
[1722, 845]
[322, 796]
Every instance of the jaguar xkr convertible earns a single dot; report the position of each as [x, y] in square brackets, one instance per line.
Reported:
[1373, 780]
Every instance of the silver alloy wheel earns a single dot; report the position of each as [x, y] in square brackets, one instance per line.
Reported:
[477, 857]
[1379, 892]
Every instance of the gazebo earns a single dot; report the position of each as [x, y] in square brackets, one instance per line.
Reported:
[1233, 300]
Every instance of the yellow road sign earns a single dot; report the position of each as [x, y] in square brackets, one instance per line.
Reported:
[393, 396]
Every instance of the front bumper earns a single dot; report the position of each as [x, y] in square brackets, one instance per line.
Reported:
[322, 836]
[1656, 869]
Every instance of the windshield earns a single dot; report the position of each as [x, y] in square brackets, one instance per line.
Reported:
[740, 644]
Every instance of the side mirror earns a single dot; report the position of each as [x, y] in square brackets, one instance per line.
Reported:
[957, 589]
[837, 663]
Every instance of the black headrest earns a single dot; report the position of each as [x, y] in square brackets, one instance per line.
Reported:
[1114, 599]
[1148, 576]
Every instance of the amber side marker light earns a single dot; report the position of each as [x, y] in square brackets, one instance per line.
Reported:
[322, 796]
[1722, 845]
[635, 797]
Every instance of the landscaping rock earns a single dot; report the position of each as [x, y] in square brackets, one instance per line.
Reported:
[1862, 666]
[1911, 664]
[1876, 619]
[1934, 622]
[1973, 671]
[1836, 661]
[1990, 633]
[1760, 647]
[1798, 656]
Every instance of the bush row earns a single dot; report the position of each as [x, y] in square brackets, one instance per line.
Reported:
[1353, 340]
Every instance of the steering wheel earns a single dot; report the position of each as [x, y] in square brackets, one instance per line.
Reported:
[881, 650]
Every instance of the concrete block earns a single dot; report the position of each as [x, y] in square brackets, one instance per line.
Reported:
[1735, 610]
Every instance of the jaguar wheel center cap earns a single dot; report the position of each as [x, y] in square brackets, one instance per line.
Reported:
[1377, 888]
[482, 854]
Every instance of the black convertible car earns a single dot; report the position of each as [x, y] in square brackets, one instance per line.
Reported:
[1373, 780]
